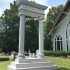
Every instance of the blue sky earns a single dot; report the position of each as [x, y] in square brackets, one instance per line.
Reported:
[51, 2]
[6, 3]
[56, 2]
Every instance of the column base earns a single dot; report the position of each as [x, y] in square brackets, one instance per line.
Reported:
[19, 58]
[32, 64]
[41, 56]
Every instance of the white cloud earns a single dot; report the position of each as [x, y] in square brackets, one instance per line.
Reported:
[5, 4]
[46, 11]
[0, 12]
[43, 2]
[5, 1]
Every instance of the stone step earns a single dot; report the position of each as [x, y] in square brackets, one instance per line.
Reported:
[32, 60]
[35, 64]
[53, 67]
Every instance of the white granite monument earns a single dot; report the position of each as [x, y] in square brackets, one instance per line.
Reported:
[29, 8]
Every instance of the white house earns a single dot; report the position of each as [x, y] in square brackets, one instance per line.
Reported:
[60, 31]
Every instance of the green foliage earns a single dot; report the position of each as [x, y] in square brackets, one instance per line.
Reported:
[10, 22]
[57, 53]
[53, 13]
[4, 59]
[31, 35]
[51, 16]
[10, 34]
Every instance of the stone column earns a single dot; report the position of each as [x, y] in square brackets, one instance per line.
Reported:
[41, 38]
[22, 35]
[21, 54]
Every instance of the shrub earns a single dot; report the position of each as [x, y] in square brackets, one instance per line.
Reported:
[4, 58]
[57, 53]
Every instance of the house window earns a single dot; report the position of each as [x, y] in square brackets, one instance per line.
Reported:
[55, 45]
[67, 37]
[58, 43]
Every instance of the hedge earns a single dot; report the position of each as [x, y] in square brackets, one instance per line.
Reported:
[2, 58]
[57, 53]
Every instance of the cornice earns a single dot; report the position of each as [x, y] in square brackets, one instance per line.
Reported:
[29, 3]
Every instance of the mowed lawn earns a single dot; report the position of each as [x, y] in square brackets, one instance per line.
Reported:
[4, 64]
[63, 64]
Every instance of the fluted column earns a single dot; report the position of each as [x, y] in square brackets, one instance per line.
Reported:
[41, 38]
[21, 56]
[21, 36]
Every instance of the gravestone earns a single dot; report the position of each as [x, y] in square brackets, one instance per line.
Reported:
[13, 55]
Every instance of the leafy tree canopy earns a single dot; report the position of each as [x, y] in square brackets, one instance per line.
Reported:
[51, 16]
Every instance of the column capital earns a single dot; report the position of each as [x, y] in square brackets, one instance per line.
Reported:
[41, 18]
[21, 14]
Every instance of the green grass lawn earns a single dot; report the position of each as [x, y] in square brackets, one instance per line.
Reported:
[4, 64]
[3, 56]
[63, 64]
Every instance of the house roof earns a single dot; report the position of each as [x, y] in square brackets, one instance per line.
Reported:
[58, 19]
[30, 3]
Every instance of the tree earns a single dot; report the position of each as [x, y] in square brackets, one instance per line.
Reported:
[10, 37]
[1, 35]
[10, 22]
[31, 35]
[51, 16]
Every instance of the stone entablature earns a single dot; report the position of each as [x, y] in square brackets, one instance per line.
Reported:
[30, 8]
[31, 4]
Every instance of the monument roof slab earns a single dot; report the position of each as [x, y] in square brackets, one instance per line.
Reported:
[30, 3]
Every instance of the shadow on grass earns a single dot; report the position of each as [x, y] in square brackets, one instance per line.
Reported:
[63, 68]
